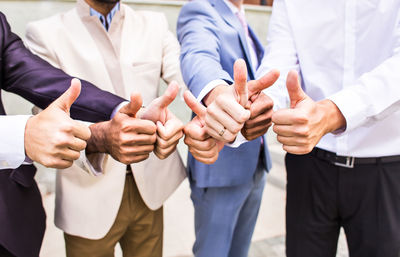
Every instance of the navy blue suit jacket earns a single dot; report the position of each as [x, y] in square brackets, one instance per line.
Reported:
[22, 217]
[212, 39]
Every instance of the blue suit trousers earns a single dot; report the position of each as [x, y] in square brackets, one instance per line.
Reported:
[225, 217]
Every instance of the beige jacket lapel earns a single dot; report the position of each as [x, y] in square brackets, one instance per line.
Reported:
[156, 179]
[96, 41]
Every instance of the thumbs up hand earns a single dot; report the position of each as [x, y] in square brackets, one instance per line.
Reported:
[226, 113]
[52, 138]
[169, 127]
[157, 110]
[125, 137]
[260, 106]
[202, 146]
[168, 135]
[301, 127]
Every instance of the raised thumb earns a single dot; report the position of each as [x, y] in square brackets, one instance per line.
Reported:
[194, 105]
[296, 93]
[170, 94]
[133, 106]
[65, 101]
[240, 77]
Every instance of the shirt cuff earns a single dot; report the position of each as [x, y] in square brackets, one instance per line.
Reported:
[353, 113]
[116, 109]
[92, 163]
[209, 87]
[240, 139]
[12, 142]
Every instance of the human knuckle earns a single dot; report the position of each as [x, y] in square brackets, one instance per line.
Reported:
[52, 162]
[125, 160]
[84, 145]
[123, 138]
[209, 144]
[68, 127]
[236, 128]
[229, 137]
[150, 148]
[75, 155]
[301, 118]
[309, 148]
[212, 110]
[187, 140]
[220, 100]
[162, 143]
[123, 151]
[87, 134]
[61, 140]
[305, 131]
[161, 155]
[150, 126]
[143, 157]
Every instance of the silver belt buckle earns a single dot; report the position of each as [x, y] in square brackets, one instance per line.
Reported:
[349, 163]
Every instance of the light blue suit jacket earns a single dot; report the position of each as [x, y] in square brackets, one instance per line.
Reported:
[212, 38]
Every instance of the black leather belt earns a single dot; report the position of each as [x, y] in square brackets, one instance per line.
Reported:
[348, 161]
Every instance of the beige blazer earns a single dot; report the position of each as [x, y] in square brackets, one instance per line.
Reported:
[137, 51]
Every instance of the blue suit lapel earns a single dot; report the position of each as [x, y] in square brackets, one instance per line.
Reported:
[233, 21]
[258, 45]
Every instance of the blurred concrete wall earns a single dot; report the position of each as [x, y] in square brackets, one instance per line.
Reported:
[19, 13]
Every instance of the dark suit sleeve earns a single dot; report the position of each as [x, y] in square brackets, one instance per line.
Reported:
[27, 75]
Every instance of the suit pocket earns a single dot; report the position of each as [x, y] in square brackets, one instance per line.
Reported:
[144, 77]
[147, 66]
[198, 194]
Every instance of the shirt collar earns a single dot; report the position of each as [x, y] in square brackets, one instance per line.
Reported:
[106, 21]
[233, 7]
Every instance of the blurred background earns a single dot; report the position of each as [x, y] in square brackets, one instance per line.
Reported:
[268, 239]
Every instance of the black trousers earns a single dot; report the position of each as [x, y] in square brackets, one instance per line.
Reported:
[4, 252]
[322, 198]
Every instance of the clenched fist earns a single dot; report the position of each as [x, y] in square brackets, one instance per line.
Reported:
[301, 127]
[52, 138]
[126, 138]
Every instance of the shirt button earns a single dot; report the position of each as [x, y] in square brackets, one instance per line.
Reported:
[4, 164]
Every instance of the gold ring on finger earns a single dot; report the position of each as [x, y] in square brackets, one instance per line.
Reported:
[221, 133]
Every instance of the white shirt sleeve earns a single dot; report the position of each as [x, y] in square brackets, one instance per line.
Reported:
[374, 97]
[116, 109]
[240, 139]
[12, 142]
[209, 87]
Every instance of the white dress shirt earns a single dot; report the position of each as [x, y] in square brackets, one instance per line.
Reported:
[346, 51]
[12, 149]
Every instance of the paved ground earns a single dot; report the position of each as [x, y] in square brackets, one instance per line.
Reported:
[268, 240]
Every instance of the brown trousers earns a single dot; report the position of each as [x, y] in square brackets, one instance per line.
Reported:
[138, 229]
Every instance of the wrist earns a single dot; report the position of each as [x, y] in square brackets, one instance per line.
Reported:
[97, 142]
[210, 97]
[333, 117]
[27, 138]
